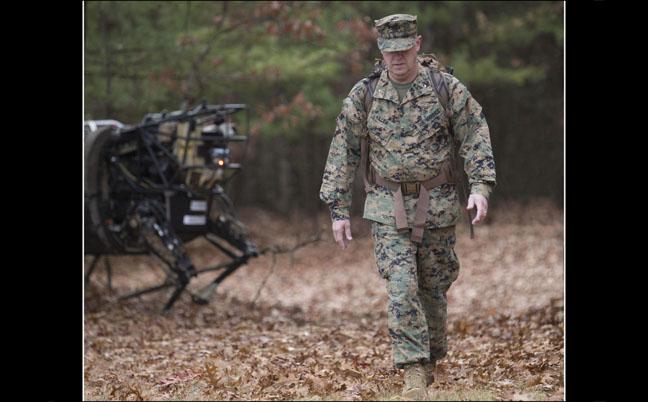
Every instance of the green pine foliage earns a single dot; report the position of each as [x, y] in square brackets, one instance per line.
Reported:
[293, 62]
[144, 56]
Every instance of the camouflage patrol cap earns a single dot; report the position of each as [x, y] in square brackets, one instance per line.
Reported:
[396, 32]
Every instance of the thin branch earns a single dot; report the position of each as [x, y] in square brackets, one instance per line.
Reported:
[258, 293]
[252, 21]
[283, 249]
[274, 249]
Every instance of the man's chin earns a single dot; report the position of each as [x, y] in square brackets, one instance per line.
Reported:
[399, 74]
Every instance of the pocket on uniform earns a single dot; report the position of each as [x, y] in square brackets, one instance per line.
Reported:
[382, 261]
[444, 209]
[380, 130]
[432, 122]
[442, 242]
[442, 237]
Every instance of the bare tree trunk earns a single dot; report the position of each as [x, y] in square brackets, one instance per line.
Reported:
[104, 26]
[285, 190]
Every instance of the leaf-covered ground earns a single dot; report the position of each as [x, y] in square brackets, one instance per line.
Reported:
[313, 324]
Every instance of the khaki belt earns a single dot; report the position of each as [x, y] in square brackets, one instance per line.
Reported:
[423, 188]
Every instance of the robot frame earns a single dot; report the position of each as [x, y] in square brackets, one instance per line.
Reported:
[151, 187]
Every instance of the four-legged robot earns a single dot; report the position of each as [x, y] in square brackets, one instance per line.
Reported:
[151, 187]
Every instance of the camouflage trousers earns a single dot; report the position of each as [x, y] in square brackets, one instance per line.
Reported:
[418, 278]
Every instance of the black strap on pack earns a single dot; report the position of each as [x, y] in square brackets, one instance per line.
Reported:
[370, 86]
[443, 93]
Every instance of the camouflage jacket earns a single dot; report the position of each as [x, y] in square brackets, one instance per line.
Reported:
[409, 141]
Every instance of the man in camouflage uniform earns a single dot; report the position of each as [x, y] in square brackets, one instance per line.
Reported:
[407, 130]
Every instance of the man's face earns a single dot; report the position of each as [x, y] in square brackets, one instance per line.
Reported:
[402, 65]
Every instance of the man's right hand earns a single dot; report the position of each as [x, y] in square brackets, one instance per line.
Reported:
[342, 232]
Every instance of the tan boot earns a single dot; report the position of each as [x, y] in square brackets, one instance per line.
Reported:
[415, 388]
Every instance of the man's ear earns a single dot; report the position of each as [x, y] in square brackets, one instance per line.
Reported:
[417, 43]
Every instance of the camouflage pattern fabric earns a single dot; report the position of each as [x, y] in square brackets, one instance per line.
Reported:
[396, 32]
[417, 281]
[409, 142]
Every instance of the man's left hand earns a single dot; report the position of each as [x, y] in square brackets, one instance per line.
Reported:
[482, 207]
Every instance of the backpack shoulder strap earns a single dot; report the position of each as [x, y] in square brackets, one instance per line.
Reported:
[370, 86]
[441, 87]
[436, 70]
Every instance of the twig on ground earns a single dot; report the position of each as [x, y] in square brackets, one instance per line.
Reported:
[282, 250]
[258, 293]
[274, 249]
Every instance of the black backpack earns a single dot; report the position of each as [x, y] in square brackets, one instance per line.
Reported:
[440, 86]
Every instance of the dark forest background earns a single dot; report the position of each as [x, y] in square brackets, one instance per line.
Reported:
[294, 62]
